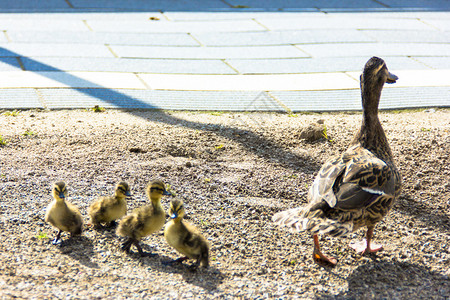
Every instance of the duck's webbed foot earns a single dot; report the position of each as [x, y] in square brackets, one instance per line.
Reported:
[321, 258]
[366, 246]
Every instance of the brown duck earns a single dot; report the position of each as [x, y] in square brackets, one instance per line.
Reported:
[357, 188]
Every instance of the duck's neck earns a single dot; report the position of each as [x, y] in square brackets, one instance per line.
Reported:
[156, 202]
[371, 135]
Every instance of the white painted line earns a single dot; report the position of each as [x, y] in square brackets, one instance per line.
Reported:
[29, 79]
[408, 78]
[283, 82]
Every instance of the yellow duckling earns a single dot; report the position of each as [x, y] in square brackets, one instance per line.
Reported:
[185, 237]
[109, 209]
[62, 214]
[145, 220]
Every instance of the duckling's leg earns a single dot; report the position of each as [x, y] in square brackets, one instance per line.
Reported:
[141, 252]
[319, 257]
[365, 246]
[112, 224]
[57, 239]
[127, 245]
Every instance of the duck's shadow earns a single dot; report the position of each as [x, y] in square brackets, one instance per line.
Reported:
[79, 248]
[384, 279]
[206, 278]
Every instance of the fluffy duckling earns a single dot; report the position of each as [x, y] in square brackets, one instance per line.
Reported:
[144, 221]
[358, 187]
[109, 209]
[62, 214]
[185, 237]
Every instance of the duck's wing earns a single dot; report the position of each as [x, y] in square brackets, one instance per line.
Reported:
[361, 183]
[352, 181]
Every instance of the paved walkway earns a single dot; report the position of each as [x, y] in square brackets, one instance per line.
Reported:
[295, 55]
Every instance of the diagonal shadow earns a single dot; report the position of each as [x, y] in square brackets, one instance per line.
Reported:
[70, 6]
[251, 140]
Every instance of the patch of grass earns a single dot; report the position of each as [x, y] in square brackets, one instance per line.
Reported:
[42, 235]
[425, 129]
[28, 133]
[293, 262]
[170, 190]
[204, 223]
[325, 134]
[207, 180]
[13, 113]
[97, 109]
[216, 113]
[293, 115]
[240, 6]
[219, 147]
[2, 141]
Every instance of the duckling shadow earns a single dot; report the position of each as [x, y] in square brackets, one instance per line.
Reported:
[80, 248]
[376, 280]
[206, 278]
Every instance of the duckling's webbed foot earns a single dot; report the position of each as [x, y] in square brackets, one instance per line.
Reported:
[57, 240]
[127, 245]
[142, 253]
[112, 224]
[178, 260]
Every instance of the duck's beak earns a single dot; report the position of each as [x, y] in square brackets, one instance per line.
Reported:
[61, 195]
[391, 78]
[173, 216]
[127, 193]
[167, 193]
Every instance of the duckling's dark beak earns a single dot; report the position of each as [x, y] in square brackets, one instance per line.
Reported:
[391, 78]
[167, 193]
[127, 193]
[61, 195]
[174, 216]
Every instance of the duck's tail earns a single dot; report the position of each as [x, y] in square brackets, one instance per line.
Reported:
[313, 221]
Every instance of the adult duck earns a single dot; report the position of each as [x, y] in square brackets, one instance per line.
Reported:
[358, 187]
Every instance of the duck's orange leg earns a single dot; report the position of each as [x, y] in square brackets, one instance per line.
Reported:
[366, 246]
[321, 258]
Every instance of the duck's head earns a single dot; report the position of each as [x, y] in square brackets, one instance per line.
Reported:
[123, 190]
[376, 73]
[155, 189]
[374, 76]
[176, 210]
[59, 190]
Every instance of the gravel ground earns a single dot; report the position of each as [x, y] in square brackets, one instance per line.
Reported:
[234, 171]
